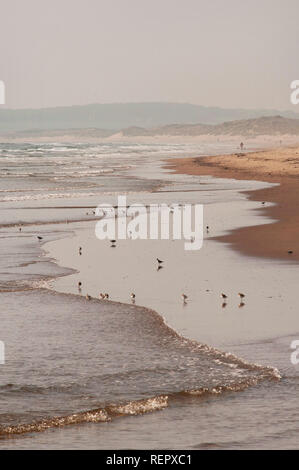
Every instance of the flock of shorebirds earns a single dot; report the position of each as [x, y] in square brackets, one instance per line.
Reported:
[184, 297]
[105, 296]
[224, 298]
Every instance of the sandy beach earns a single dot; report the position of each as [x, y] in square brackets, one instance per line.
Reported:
[279, 166]
[259, 331]
[190, 361]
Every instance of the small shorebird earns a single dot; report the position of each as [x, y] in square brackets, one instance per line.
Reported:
[290, 252]
[79, 284]
[87, 297]
[241, 295]
[207, 228]
[159, 261]
[224, 296]
[133, 296]
[102, 296]
[106, 296]
[39, 237]
[224, 304]
[184, 297]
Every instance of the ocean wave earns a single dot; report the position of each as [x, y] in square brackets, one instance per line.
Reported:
[250, 374]
[48, 196]
[131, 408]
[220, 357]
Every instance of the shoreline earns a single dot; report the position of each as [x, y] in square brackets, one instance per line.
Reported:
[71, 136]
[92, 322]
[278, 166]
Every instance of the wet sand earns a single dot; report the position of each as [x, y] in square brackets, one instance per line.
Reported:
[279, 166]
[203, 275]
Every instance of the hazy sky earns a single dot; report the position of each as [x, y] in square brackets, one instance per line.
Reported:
[229, 53]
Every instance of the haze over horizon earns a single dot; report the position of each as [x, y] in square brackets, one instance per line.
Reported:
[67, 52]
[276, 111]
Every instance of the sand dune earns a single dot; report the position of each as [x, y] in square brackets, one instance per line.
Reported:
[262, 130]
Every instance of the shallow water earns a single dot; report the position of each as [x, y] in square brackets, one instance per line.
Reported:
[102, 374]
[100, 355]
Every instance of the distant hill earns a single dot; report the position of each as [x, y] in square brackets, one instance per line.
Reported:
[266, 125]
[247, 128]
[119, 116]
